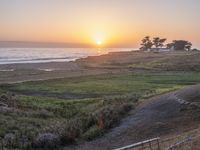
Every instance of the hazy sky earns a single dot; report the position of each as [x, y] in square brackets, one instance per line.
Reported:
[113, 22]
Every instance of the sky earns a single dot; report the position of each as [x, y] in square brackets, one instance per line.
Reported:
[111, 23]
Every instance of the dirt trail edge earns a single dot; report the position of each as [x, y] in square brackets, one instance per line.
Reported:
[158, 116]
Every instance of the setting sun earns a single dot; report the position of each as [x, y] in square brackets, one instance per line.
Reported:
[99, 37]
[99, 42]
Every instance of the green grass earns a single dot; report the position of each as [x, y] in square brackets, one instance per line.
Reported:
[188, 62]
[104, 100]
[104, 85]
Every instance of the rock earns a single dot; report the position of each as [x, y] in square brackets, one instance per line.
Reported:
[47, 141]
[9, 139]
[6, 109]
[3, 104]
[195, 104]
[3, 98]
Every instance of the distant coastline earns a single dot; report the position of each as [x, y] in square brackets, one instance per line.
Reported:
[46, 55]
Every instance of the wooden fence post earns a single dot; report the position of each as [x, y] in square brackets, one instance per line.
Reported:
[142, 146]
[150, 146]
[158, 144]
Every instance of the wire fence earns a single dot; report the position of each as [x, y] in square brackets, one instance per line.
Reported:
[175, 143]
[144, 145]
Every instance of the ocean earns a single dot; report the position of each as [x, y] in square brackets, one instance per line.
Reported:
[43, 55]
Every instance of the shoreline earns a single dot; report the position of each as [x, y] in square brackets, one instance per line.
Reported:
[113, 62]
[51, 55]
[17, 73]
[71, 60]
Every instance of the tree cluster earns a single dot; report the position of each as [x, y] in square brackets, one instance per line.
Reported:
[180, 45]
[147, 43]
[157, 43]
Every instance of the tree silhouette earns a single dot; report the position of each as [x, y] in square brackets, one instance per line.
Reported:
[182, 45]
[157, 42]
[146, 43]
[170, 45]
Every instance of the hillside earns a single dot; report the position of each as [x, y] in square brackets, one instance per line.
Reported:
[123, 95]
[162, 116]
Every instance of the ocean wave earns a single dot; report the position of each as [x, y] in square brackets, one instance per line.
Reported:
[37, 60]
[41, 55]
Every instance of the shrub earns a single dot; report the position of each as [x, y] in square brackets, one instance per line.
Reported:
[92, 133]
[47, 141]
[8, 99]
[69, 135]
[44, 114]
[9, 139]
[109, 116]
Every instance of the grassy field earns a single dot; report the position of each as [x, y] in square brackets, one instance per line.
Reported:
[171, 61]
[179, 62]
[105, 85]
[75, 109]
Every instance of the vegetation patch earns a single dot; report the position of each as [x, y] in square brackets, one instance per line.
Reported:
[44, 120]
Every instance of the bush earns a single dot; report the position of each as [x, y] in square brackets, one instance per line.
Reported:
[69, 135]
[44, 114]
[9, 139]
[109, 116]
[8, 99]
[47, 141]
[92, 133]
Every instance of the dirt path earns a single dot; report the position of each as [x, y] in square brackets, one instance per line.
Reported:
[159, 116]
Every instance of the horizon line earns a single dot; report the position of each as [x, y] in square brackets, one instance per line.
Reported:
[37, 44]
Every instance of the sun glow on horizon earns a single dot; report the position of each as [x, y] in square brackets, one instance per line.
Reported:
[99, 42]
[113, 23]
[99, 38]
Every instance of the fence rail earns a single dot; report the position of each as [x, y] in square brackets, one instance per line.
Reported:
[141, 144]
[158, 144]
[151, 144]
